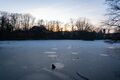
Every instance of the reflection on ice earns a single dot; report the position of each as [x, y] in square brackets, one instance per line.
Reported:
[54, 48]
[49, 52]
[114, 53]
[75, 53]
[52, 56]
[58, 65]
[104, 55]
[111, 47]
[69, 47]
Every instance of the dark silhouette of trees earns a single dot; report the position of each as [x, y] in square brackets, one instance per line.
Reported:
[113, 20]
[83, 24]
[14, 26]
[113, 13]
[51, 25]
[72, 24]
[38, 32]
[27, 21]
[40, 22]
[5, 22]
[58, 26]
[54, 26]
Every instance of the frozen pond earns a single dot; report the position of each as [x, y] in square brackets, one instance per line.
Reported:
[74, 60]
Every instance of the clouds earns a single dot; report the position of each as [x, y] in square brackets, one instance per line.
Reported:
[57, 9]
[51, 13]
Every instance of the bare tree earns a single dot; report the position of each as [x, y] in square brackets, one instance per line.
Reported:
[40, 22]
[57, 26]
[66, 26]
[27, 21]
[72, 24]
[113, 13]
[54, 26]
[84, 25]
[5, 24]
[14, 20]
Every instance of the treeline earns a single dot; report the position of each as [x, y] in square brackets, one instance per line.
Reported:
[14, 26]
[113, 19]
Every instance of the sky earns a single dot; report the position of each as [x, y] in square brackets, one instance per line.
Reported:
[62, 10]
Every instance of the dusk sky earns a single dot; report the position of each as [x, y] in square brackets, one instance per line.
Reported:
[61, 10]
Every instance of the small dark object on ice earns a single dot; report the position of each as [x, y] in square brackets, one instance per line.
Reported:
[53, 67]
